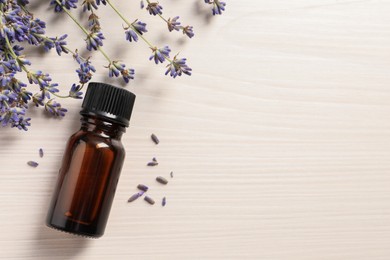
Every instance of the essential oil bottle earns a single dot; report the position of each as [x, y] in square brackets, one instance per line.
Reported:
[92, 163]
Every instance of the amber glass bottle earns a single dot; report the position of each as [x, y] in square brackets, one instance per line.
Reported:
[92, 163]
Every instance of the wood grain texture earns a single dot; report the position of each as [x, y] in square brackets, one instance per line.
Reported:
[279, 142]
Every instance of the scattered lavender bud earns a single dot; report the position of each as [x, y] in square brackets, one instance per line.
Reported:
[143, 187]
[149, 200]
[32, 164]
[164, 202]
[161, 180]
[153, 162]
[135, 196]
[171, 174]
[41, 152]
[154, 138]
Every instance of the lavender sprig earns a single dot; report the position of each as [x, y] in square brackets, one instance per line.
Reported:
[218, 6]
[159, 55]
[155, 8]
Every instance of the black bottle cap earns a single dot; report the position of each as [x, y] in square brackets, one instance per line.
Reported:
[113, 103]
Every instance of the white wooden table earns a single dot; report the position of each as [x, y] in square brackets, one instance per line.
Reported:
[279, 142]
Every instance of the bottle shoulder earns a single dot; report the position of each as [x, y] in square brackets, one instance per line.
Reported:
[99, 141]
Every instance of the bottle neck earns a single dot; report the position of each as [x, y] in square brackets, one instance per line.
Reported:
[98, 125]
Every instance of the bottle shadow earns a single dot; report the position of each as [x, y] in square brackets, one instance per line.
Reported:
[50, 244]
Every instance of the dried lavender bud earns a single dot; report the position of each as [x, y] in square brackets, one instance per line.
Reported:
[164, 202]
[143, 187]
[149, 200]
[32, 164]
[171, 174]
[135, 196]
[41, 152]
[153, 162]
[161, 180]
[154, 138]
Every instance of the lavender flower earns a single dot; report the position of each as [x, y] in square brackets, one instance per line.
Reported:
[68, 4]
[177, 67]
[55, 108]
[39, 78]
[5, 78]
[6, 96]
[38, 99]
[131, 35]
[173, 24]
[101, 1]
[86, 69]
[94, 40]
[24, 96]
[21, 61]
[89, 5]
[159, 55]
[139, 26]
[93, 23]
[218, 6]
[57, 43]
[21, 123]
[127, 74]
[115, 69]
[188, 30]
[75, 92]
[154, 8]
[15, 117]
[52, 88]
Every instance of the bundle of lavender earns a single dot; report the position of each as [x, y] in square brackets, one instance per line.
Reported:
[18, 26]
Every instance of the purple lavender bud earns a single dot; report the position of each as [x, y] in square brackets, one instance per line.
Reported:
[127, 74]
[131, 35]
[55, 108]
[149, 200]
[154, 8]
[188, 30]
[94, 40]
[139, 27]
[143, 187]
[173, 24]
[101, 1]
[159, 55]
[135, 196]
[85, 71]
[32, 164]
[68, 4]
[177, 67]
[75, 93]
[218, 7]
